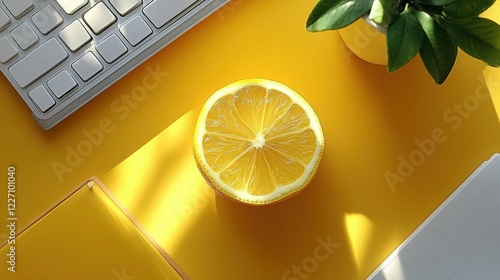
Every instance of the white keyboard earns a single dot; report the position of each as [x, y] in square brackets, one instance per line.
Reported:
[59, 54]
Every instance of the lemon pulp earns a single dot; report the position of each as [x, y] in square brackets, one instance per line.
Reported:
[258, 141]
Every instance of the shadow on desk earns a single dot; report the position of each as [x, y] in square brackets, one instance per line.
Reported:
[409, 145]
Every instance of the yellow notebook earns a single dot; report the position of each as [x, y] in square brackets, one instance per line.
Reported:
[86, 236]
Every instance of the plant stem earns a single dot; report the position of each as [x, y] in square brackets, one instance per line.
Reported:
[433, 11]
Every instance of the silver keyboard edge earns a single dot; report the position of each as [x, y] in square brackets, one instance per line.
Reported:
[120, 69]
[166, 35]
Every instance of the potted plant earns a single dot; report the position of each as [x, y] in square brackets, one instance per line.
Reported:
[435, 29]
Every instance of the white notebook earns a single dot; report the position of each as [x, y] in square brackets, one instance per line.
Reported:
[460, 240]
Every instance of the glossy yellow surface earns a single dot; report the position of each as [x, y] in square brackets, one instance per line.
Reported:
[396, 146]
[87, 236]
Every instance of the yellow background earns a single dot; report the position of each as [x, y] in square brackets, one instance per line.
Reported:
[142, 148]
[102, 242]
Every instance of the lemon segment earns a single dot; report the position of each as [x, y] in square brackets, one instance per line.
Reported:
[257, 141]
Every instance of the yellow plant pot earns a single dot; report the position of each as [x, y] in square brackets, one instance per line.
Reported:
[366, 40]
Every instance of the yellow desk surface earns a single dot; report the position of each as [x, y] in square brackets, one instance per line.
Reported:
[101, 242]
[396, 146]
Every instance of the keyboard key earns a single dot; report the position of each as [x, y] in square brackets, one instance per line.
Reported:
[159, 12]
[7, 50]
[18, 8]
[111, 48]
[135, 30]
[41, 97]
[62, 83]
[71, 6]
[47, 19]
[38, 62]
[99, 17]
[4, 19]
[75, 36]
[123, 7]
[24, 36]
[87, 66]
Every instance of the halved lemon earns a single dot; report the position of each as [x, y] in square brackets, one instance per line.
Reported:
[258, 141]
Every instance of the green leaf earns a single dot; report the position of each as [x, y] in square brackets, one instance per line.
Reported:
[467, 8]
[430, 9]
[404, 39]
[436, 2]
[384, 12]
[335, 14]
[479, 37]
[438, 51]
